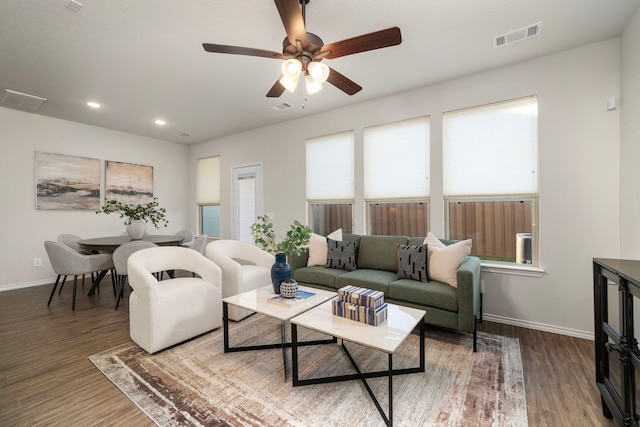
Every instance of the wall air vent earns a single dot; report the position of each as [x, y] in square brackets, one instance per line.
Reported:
[517, 35]
[23, 101]
[281, 107]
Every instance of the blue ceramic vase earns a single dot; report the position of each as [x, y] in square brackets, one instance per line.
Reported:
[280, 271]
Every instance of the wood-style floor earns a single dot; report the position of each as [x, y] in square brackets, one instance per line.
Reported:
[46, 378]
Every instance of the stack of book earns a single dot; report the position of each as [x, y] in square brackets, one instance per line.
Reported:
[361, 304]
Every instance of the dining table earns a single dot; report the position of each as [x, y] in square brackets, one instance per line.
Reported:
[111, 243]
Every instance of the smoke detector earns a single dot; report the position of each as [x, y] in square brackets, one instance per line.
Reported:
[518, 35]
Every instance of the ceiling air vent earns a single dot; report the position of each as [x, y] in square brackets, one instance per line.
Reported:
[518, 35]
[281, 107]
[20, 100]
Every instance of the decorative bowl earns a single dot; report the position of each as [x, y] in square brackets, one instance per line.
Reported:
[288, 288]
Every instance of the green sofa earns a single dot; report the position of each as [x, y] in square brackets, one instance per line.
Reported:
[377, 267]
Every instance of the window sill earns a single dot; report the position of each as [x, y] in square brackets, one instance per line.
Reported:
[513, 269]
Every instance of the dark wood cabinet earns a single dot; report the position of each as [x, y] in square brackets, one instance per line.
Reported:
[616, 288]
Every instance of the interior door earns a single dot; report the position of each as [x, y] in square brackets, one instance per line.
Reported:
[247, 199]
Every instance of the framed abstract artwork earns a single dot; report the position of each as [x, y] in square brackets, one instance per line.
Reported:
[67, 182]
[128, 183]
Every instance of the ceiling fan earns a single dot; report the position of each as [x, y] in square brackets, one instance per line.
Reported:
[303, 52]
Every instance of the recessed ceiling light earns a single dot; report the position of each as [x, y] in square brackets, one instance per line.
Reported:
[93, 104]
[160, 122]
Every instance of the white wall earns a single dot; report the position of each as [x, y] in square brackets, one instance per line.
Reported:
[24, 229]
[579, 178]
[630, 150]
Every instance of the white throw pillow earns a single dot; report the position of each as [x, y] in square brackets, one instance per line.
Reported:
[444, 261]
[318, 247]
[433, 241]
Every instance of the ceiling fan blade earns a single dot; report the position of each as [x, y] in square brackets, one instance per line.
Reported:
[376, 40]
[276, 90]
[237, 50]
[293, 21]
[343, 83]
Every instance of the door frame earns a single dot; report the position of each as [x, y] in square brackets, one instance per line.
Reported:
[253, 169]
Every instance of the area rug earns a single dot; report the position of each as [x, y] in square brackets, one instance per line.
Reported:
[197, 384]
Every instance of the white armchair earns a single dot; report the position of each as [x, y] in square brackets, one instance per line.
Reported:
[244, 267]
[164, 313]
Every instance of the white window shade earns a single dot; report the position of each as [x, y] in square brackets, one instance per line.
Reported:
[396, 160]
[208, 181]
[491, 150]
[330, 167]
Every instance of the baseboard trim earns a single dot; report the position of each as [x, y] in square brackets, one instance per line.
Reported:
[13, 286]
[539, 326]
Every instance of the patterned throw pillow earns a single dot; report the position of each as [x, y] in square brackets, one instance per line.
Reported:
[341, 255]
[412, 262]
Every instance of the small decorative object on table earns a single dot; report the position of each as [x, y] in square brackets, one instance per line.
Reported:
[136, 215]
[295, 240]
[288, 288]
[360, 304]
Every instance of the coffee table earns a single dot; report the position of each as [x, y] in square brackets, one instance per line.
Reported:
[387, 337]
[258, 300]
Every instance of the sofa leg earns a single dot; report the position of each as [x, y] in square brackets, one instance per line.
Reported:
[475, 334]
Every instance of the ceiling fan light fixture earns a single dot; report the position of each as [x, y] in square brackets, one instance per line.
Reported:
[312, 85]
[289, 83]
[318, 71]
[291, 68]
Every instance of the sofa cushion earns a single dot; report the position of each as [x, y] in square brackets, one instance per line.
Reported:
[318, 247]
[341, 255]
[365, 278]
[412, 262]
[431, 294]
[444, 261]
[379, 252]
[317, 275]
[415, 241]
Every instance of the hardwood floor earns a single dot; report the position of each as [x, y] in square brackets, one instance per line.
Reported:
[47, 379]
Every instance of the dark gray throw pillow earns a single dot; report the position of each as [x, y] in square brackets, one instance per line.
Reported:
[412, 262]
[341, 255]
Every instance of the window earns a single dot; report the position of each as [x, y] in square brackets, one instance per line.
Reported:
[208, 195]
[490, 163]
[330, 189]
[396, 177]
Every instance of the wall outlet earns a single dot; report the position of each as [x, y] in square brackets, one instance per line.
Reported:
[37, 262]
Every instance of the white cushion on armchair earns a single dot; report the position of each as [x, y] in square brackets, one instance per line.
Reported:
[164, 313]
[245, 267]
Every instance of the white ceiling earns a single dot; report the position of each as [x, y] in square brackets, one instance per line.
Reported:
[144, 59]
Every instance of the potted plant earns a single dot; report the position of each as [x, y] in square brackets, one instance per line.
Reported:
[294, 241]
[136, 215]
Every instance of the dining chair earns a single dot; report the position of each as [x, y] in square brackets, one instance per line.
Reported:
[120, 257]
[67, 262]
[200, 243]
[71, 240]
[188, 237]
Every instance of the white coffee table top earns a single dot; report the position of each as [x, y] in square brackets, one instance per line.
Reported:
[258, 301]
[386, 337]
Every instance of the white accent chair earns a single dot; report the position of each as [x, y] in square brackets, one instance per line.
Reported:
[164, 313]
[244, 267]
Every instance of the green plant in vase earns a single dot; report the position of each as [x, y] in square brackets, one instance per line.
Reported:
[141, 213]
[294, 241]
